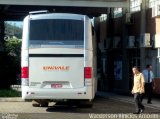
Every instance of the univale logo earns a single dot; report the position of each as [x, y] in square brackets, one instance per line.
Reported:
[56, 68]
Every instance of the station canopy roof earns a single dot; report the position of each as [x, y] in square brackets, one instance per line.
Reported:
[17, 9]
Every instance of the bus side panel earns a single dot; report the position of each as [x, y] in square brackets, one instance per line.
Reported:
[25, 35]
[90, 56]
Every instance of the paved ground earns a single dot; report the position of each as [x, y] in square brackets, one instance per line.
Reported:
[103, 108]
[129, 98]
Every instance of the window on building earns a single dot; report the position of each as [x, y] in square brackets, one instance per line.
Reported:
[153, 3]
[117, 12]
[135, 5]
[103, 17]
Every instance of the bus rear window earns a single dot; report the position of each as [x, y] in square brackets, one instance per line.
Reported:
[58, 30]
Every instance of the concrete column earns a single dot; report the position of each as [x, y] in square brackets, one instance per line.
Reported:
[124, 51]
[110, 70]
[1, 35]
[144, 6]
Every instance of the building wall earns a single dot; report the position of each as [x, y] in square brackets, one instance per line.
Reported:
[118, 26]
[153, 23]
[133, 56]
[150, 22]
[157, 25]
[134, 27]
[103, 31]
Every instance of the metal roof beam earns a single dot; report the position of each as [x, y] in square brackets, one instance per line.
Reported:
[75, 3]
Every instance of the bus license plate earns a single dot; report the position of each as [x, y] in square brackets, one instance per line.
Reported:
[56, 85]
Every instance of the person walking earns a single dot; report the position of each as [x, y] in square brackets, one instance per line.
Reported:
[138, 90]
[148, 76]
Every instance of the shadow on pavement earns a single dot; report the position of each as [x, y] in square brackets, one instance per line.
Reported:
[101, 105]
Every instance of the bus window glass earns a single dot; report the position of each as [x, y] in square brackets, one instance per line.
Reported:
[64, 31]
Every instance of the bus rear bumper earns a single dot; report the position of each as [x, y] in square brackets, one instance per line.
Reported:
[38, 93]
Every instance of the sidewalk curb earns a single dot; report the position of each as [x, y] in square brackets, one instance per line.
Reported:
[11, 99]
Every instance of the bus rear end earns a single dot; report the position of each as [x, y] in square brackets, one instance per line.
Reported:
[57, 57]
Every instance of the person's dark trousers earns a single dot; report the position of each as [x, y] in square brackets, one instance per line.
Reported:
[142, 96]
[148, 91]
[138, 103]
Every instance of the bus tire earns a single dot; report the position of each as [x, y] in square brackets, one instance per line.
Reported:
[35, 103]
[44, 104]
[89, 104]
[85, 104]
[40, 103]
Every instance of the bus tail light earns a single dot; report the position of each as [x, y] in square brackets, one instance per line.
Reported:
[24, 72]
[87, 72]
[25, 76]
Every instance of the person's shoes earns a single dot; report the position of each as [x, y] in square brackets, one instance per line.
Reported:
[136, 112]
[141, 110]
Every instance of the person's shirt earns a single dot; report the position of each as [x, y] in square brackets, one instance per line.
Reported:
[138, 86]
[145, 73]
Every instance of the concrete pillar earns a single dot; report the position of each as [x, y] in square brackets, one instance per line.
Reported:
[144, 6]
[1, 34]
[110, 70]
[124, 51]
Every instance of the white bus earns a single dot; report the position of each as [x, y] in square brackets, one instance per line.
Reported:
[58, 60]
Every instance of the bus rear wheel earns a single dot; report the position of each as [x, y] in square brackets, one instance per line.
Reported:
[85, 104]
[40, 103]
